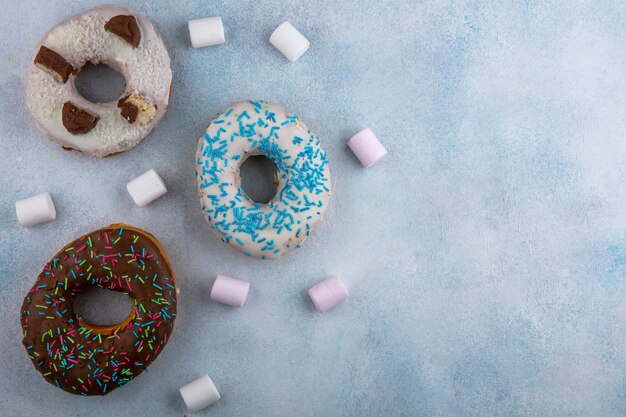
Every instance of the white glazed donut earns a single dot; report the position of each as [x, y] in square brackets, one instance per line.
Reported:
[130, 45]
[304, 185]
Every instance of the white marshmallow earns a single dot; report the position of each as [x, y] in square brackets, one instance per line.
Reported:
[199, 394]
[35, 210]
[146, 188]
[206, 32]
[289, 41]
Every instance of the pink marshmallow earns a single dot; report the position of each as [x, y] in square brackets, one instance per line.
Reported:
[328, 293]
[367, 147]
[230, 291]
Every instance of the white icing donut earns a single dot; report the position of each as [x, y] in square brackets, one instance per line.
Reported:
[83, 39]
[304, 186]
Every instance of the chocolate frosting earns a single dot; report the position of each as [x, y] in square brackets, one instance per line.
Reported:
[126, 28]
[129, 110]
[85, 359]
[54, 62]
[77, 120]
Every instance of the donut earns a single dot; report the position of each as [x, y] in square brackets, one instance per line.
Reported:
[87, 359]
[265, 231]
[121, 39]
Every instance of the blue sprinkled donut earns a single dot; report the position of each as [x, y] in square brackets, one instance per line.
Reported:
[265, 231]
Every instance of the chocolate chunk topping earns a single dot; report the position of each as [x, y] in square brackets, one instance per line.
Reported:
[126, 28]
[129, 110]
[77, 120]
[52, 61]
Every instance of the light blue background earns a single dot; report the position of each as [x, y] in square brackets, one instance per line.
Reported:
[486, 255]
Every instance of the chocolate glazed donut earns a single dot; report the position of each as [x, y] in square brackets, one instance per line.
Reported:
[86, 359]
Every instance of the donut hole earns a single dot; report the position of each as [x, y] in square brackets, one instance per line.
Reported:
[99, 83]
[259, 178]
[101, 307]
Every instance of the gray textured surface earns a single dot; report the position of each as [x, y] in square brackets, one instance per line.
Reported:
[486, 256]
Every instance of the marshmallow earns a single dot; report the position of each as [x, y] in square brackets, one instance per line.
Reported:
[289, 41]
[230, 291]
[367, 147]
[35, 210]
[328, 293]
[199, 394]
[146, 188]
[206, 32]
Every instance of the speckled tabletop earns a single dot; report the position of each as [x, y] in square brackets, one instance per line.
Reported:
[486, 255]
